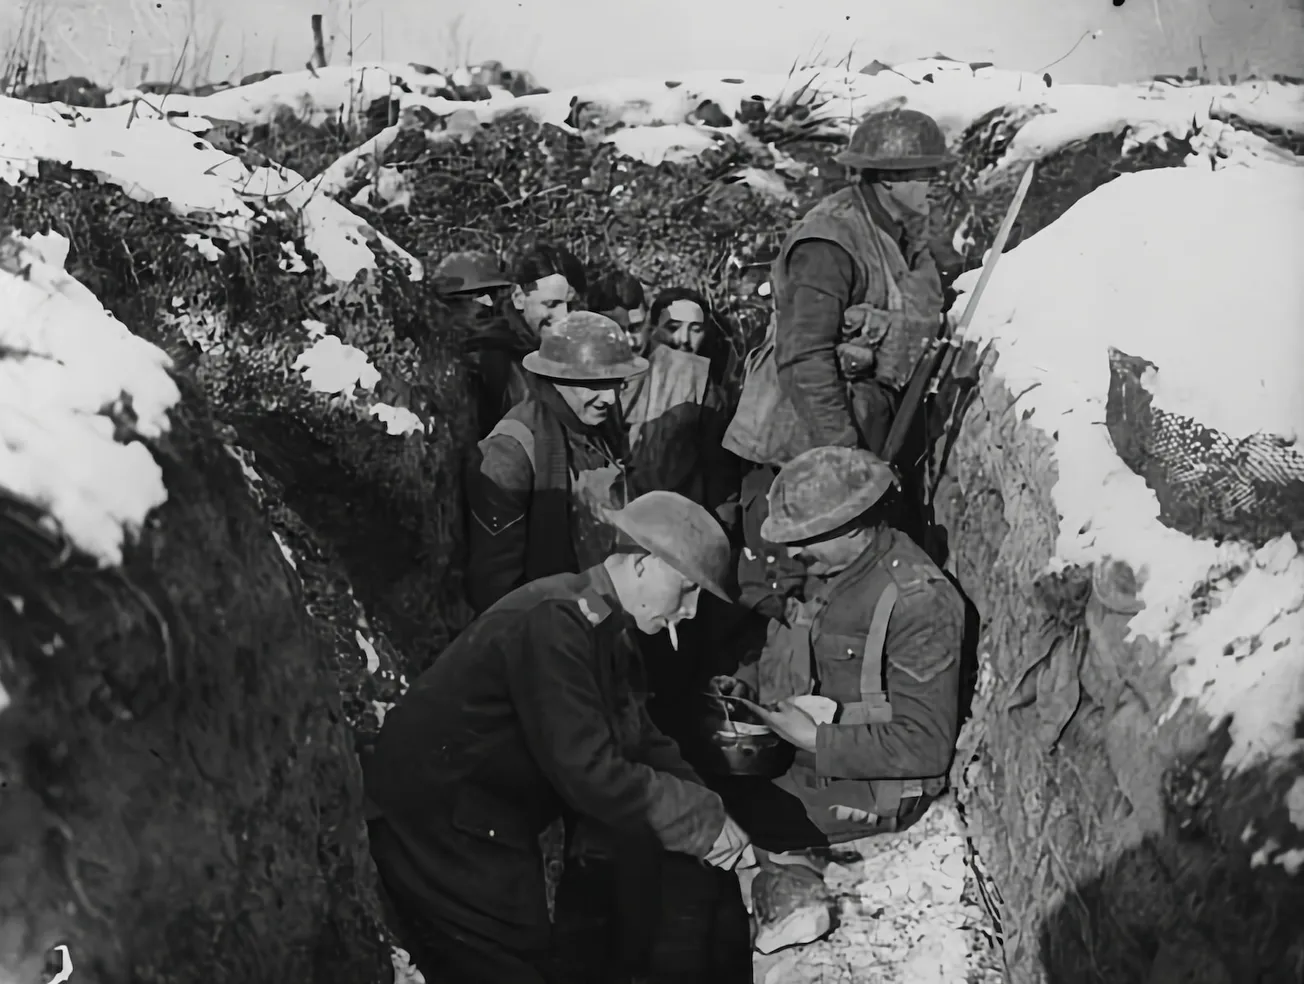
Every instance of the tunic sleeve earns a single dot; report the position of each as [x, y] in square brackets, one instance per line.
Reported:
[558, 699]
[805, 348]
[500, 484]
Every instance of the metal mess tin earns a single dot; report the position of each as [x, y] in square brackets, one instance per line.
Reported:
[741, 749]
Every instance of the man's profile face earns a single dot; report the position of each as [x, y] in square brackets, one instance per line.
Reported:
[665, 597]
[544, 302]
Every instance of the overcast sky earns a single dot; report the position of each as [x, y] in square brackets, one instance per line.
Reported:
[570, 41]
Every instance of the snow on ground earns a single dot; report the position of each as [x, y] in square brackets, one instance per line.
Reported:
[905, 914]
[155, 158]
[1196, 271]
[67, 369]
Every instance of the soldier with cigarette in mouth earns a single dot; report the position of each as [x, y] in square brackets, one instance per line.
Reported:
[534, 712]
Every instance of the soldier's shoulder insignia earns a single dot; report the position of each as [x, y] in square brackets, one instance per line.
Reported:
[494, 521]
[593, 608]
[912, 574]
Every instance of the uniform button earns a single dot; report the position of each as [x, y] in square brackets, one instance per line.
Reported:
[769, 560]
[491, 833]
[895, 562]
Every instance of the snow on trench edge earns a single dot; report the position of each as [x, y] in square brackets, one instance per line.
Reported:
[1189, 269]
[154, 158]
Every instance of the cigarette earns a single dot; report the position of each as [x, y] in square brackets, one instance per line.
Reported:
[674, 636]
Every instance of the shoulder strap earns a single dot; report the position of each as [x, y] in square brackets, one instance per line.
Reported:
[871, 667]
[873, 706]
[518, 432]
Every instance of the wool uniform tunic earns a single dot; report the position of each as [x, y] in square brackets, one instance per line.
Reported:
[902, 751]
[531, 711]
[536, 488]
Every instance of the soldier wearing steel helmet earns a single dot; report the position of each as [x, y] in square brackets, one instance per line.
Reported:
[539, 482]
[877, 642]
[532, 713]
[857, 298]
[473, 285]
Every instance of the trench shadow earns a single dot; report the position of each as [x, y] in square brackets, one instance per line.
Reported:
[968, 649]
[1194, 903]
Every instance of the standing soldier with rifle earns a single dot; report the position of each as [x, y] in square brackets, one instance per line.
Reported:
[858, 300]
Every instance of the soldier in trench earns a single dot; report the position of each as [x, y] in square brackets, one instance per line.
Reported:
[537, 485]
[534, 711]
[545, 282]
[674, 416]
[877, 642]
[619, 296]
[857, 298]
[473, 287]
[681, 317]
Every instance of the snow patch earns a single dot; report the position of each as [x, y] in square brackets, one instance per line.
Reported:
[1184, 267]
[285, 550]
[1295, 802]
[660, 144]
[206, 248]
[373, 660]
[156, 158]
[67, 367]
[380, 709]
[397, 420]
[331, 366]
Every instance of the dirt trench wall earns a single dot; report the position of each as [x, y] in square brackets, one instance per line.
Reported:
[1119, 850]
[180, 800]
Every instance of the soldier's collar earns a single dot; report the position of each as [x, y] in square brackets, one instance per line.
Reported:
[598, 599]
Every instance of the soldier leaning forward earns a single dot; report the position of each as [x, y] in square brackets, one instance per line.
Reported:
[535, 711]
[879, 637]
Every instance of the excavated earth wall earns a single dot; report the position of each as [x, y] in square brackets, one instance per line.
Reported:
[179, 795]
[1116, 847]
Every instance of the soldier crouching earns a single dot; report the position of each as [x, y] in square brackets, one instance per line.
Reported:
[872, 656]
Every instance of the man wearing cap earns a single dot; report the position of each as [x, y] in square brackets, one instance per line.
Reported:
[857, 299]
[473, 286]
[532, 712]
[877, 642]
[539, 482]
[544, 284]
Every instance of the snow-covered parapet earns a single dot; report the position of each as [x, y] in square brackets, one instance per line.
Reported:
[1196, 272]
[832, 100]
[78, 392]
[154, 159]
[333, 92]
